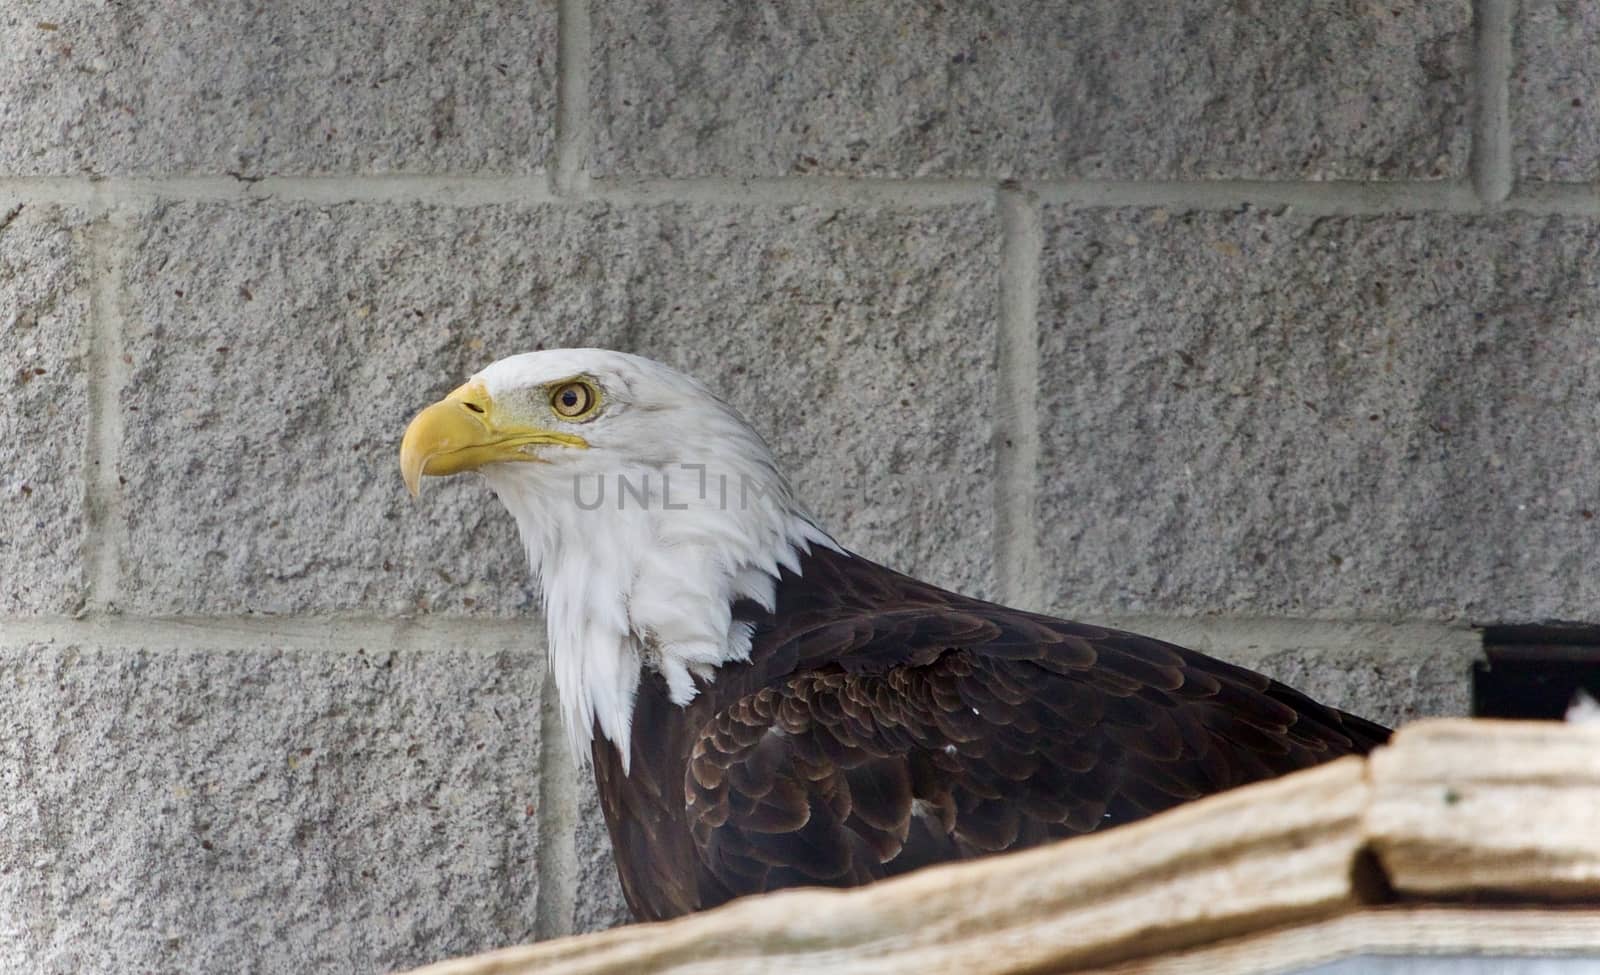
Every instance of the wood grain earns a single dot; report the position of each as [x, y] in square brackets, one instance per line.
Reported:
[1485, 808]
[1288, 872]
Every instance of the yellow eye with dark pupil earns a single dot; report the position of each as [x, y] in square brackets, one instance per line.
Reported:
[572, 399]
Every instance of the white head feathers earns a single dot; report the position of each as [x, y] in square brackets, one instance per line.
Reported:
[642, 541]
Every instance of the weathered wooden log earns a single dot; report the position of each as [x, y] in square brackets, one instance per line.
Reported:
[1293, 871]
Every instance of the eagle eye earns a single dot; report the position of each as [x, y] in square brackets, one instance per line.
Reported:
[574, 400]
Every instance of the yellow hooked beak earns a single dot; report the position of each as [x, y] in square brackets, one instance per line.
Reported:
[462, 433]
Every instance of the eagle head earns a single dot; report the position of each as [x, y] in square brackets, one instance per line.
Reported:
[648, 507]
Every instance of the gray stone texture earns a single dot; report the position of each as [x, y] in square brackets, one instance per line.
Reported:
[1392, 688]
[278, 350]
[1276, 415]
[1555, 90]
[1391, 673]
[44, 408]
[1100, 89]
[305, 87]
[599, 904]
[264, 811]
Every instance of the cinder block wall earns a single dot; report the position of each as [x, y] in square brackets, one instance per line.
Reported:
[1269, 327]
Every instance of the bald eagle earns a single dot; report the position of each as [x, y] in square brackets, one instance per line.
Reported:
[765, 709]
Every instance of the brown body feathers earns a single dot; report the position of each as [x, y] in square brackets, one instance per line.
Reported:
[883, 724]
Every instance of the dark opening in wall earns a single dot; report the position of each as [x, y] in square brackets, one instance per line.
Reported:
[1535, 672]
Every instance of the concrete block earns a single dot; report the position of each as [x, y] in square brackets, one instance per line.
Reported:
[1392, 688]
[283, 88]
[1278, 415]
[265, 810]
[1555, 90]
[278, 351]
[276, 356]
[44, 411]
[1100, 89]
[861, 343]
[599, 904]
[1390, 673]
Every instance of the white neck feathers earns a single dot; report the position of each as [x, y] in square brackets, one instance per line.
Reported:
[640, 565]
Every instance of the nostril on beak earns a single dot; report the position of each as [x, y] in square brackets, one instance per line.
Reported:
[474, 407]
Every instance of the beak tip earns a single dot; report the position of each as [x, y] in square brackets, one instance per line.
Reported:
[411, 473]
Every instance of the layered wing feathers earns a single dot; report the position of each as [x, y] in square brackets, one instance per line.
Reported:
[883, 724]
[901, 725]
